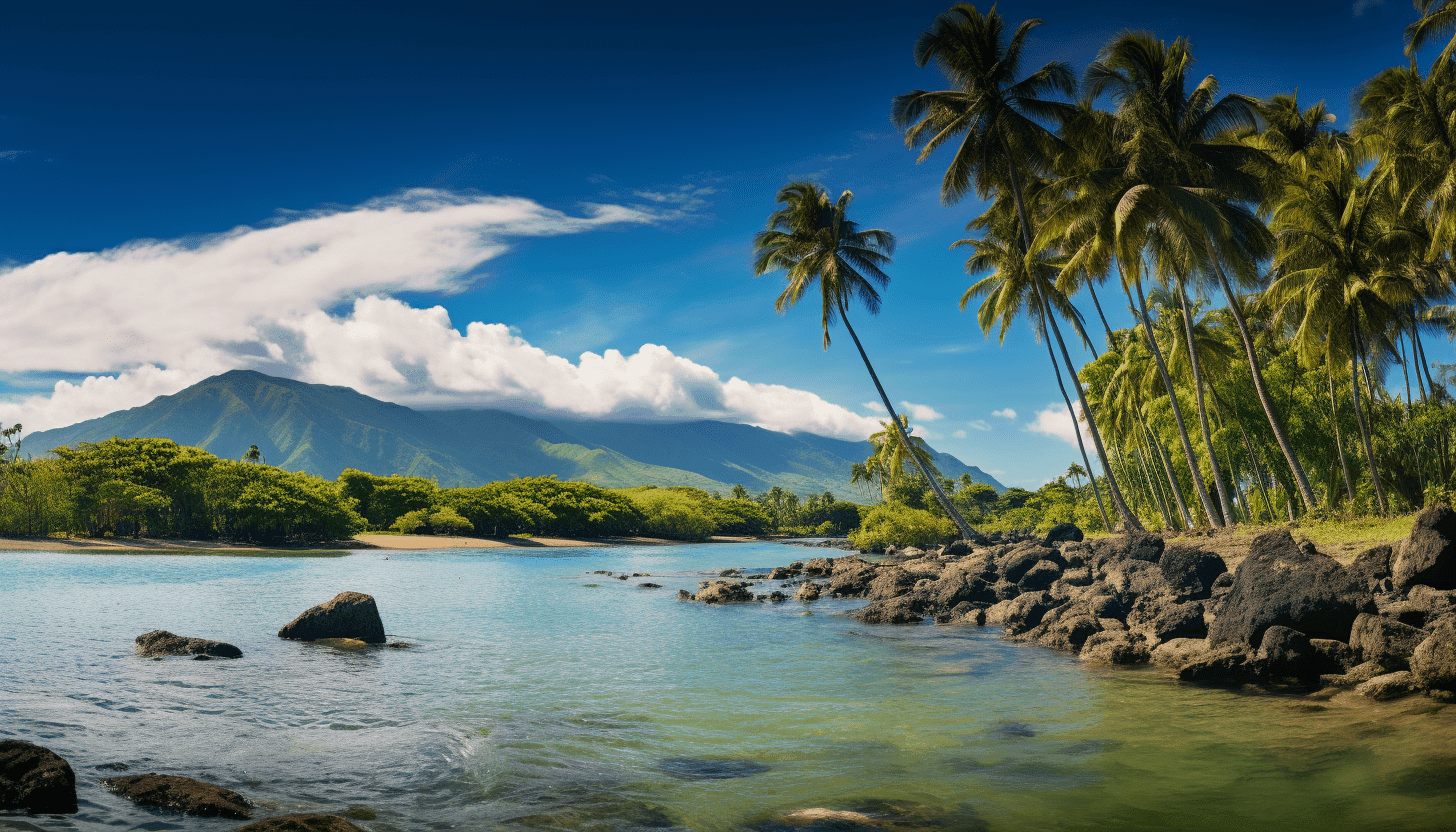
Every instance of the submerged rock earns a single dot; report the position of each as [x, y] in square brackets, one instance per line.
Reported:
[710, 768]
[159, 643]
[301, 823]
[348, 615]
[724, 592]
[182, 794]
[35, 779]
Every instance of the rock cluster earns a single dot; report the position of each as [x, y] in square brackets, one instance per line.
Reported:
[1288, 617]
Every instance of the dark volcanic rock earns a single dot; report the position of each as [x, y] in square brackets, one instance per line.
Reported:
[1280, 583]
[852, 578]
[891, 581]
[1040, 576]
[160, 643]
[182, 794]
[955, 588]
[35, 779]
[901, 610]
[348, 615]
[818, 567]
[1434, 661]
[301, 823]
[1026, 611]
[1160, 618]
[1133, 546]
[1115, 648]
[1226, 666]
[724, 592]
[1287, 654]
[957, 549]
[1388, 686]
[1017, 562]
[1375, 638]
[1428, 556]
[1333, 656]
[1372, 565]
[1063, 533]
[1191, 572]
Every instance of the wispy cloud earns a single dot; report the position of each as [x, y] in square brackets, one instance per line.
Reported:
[921, 412]
[11, 155]
[960, 434]
[152, 317]
[1362, 6]
[1055, 420]
[1004, 413]
[875, 407]
[954, 349]
[979, 424]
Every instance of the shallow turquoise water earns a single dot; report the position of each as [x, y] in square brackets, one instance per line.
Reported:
[540, 696]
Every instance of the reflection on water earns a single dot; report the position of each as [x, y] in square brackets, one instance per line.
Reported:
[535, 697]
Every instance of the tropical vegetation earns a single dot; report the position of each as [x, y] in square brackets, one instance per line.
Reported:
[1284, 278]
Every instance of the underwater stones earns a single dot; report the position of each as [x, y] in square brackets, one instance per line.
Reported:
[181, 794]
[1281, 583]
[36, 779]
[1428, 556]
[347, 615]
[159, 643]
[301, 823]
[710, 768]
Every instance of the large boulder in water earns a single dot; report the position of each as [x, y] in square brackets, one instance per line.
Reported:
[1284, 584]
[1428, 556]
[301, 823]
[182, 794]
[159, 643]
[35, 779]
[348, 615]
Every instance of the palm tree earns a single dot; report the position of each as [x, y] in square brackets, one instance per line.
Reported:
[813, 241]
[889, 459]
[993, 112]
[1438, 20]
[1187, 181]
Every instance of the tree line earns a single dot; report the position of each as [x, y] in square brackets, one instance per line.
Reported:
[1279, 272]
[157, 488]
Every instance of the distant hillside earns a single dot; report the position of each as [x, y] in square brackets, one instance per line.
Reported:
[323, 430]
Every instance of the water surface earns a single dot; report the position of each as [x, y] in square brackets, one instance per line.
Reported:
[539, 695]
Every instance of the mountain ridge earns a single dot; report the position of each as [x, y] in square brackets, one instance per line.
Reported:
[323, 429]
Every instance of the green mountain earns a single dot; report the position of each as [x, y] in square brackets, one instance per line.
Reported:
[323, 430]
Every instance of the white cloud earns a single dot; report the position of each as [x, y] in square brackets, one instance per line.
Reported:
[960, 434]
[875, 407]
[1362, 6]
[150, 318]
[1054, 420]
[979, 424]
[921, 412]
[1004, 413]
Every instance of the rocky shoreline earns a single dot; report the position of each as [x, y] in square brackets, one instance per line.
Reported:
[1288, 618]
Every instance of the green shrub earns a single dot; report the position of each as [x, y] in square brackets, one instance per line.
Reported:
[894, 524]
[448, 521]
[412, 522]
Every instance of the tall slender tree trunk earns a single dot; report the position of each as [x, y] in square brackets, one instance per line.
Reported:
[1093, 291]
[1091, 472]
[1364, 424]
[1424, 362]
[1305, 492]
[1258, 471]
[1173, 486]
[1128, 518]
[1155, 493]
[1339, 442]
[1415, 357]
[1405, 371]
[1193, 362]
[1157, 351]
[967, 533]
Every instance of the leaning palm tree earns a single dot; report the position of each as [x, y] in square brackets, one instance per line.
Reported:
[890, 458]
[1438, 20]
[812, 240]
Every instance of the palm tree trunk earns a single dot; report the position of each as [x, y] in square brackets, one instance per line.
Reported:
[1305, 492]
[967, 533]
[1223, 500]
[1258, 471]
[1415, 357]
[1157, 352]
[1364, 425]
[1156, 495]
[1405, 371]
[1424, 362]
[1339, 443]
[1093, 291]
[1076, 431]
[1128, 518]
[1173, 486]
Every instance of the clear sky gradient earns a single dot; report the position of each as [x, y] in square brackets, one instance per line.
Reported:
[230, 179]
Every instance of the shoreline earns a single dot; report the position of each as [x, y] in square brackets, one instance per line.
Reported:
[339, 548]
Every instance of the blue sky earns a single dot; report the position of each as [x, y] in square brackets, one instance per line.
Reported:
[449, 203]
